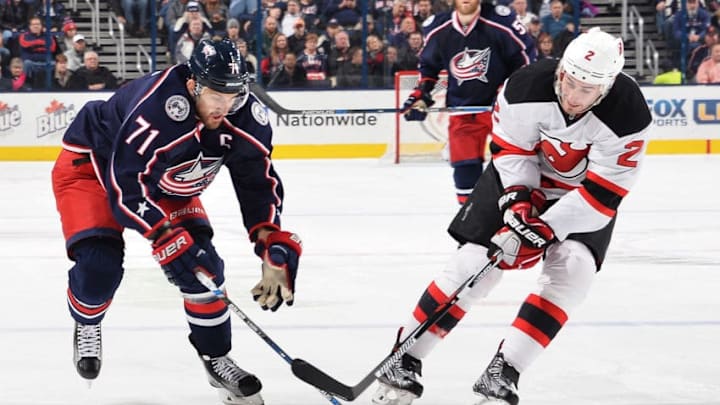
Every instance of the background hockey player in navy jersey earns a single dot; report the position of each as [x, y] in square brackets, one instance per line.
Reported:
[479, 47]
[140, 160]
[568, 141]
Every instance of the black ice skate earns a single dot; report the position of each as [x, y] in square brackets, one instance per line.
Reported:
[498, 384]
[235, 385]
[87, 350]
[399, 385]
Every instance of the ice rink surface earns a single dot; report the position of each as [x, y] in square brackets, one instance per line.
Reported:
[374, 236]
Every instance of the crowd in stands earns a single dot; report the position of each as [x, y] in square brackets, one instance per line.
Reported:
[306, 43]
[32, 59]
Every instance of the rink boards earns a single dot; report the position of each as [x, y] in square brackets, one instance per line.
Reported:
[686, 120]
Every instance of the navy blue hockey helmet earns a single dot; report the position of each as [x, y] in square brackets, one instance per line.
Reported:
[220, 66]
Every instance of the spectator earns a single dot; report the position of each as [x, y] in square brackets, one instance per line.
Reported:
[92, 76]
[57, 14]
[136, 13]
[243, 9]
[5, 56]
[545, 46]
[563, 38]
[61, 76]
[670, 74]
[375, 60]
[309, 11]
[15, 15]
[556, 22]
[665, 11]
[345, 12]
[250, 59]
[232, 30]
[326, 42]
[69, 30]
[18, 80]
[408, 55]
[400, 38]
[270, 30]
[273, 63]
[535, 28]
[424, 10]
[709, 70]
[296, 41]
[75, 55]
[218, 15]
[696, 25]
[349, 74]
[699, 54]
[521, 9]
[175, 10]
[33, 48]
[391, 66]
[289, 75]
[315, 65]
[193, 11]
[186, 44]
[340, 53]
[292, 15]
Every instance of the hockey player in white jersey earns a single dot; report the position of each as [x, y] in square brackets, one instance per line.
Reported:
[568, 141]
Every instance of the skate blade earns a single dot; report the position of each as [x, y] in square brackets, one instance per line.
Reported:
[228, 398]
[389, 395]
[491, 401]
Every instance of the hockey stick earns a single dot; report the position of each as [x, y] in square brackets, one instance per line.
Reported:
[205, 280]
[320, 380]
[275, 107]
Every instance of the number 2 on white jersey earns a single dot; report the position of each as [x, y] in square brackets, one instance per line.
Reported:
[144, 127]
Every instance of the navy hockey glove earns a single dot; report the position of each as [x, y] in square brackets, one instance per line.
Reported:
[524, 237]
[280, 252]
[415, 107]
[180, 258]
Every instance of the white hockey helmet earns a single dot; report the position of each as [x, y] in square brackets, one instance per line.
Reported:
[594, 57]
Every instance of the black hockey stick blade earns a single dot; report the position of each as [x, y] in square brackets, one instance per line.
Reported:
[317, 378]
[275, 107]
[322, 381]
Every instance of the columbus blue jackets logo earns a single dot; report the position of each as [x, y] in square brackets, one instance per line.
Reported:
[470, 64]
[191, 177]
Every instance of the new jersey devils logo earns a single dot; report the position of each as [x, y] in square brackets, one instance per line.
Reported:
[565, 158]
[191, 177]
[470, 64]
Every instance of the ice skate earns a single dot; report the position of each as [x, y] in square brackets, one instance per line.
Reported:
[235, 385]
[87, 350]
[399, 385]
[498, 384]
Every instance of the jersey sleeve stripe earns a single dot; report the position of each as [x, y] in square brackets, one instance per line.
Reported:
[597, 205]
[547, 182]
[596, 178]
[500, 147]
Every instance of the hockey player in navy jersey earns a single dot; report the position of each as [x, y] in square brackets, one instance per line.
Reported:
[140, 160]
[569, 138]
[479, 47]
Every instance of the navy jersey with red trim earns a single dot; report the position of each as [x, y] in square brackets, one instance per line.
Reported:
[588, 163]
[147, 144]
[478, 58]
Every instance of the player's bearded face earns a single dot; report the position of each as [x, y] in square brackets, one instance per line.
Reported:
[467, 7]
[577, 96]
[212, 106]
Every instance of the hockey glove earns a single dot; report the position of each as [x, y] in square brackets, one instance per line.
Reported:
[415, 107]
[180, 257]
[524, 237]
[280, 252]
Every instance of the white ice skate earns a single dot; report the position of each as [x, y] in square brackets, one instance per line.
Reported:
[399, 385]
[87, 350]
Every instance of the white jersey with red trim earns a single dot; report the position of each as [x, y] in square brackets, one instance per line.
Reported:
[588, 163]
